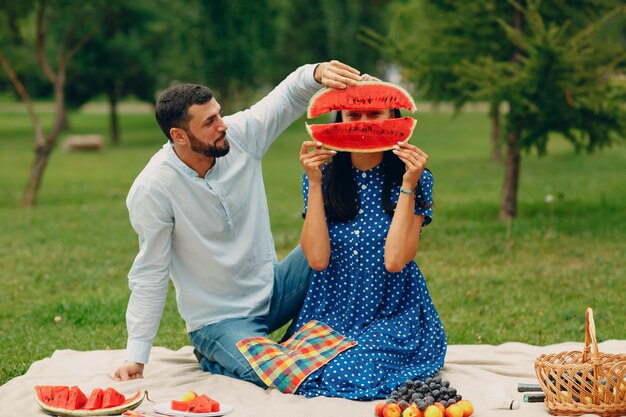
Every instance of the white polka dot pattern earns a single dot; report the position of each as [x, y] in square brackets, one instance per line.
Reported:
[390, 315]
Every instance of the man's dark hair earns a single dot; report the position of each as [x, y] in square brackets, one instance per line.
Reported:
[173, 104]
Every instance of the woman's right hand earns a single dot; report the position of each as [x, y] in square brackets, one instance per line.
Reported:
[312, 157]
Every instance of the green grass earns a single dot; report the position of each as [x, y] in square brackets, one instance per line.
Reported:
[530, 282]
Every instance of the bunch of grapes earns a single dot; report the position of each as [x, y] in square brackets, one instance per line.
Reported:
[425, 393]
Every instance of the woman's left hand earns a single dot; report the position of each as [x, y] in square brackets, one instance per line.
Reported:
[415, 161]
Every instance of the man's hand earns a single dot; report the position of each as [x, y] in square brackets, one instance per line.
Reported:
[336, 74]
[129, 370]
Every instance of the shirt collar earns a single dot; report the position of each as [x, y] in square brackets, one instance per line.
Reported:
[171, 156]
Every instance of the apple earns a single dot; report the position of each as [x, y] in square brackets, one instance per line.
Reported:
[189, 396]
[378, 410]
[454, 411]
[432, 411]
[441, 407]
[392, 410]
[467, 407]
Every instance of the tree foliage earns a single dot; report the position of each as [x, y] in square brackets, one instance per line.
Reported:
[552, 68]
[561, 82]
[120, 60]
[61, 28]
[314, 32]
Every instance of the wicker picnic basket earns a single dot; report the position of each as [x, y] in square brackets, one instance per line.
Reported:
[587, 382]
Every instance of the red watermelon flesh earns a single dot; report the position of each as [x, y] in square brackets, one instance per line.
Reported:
[365, 95]
[363, 136]
[200, 404]
[95, 399]
[59, 396]
[44, 392]
[203, 404]
[50, 399]
[179, 405]
[112, 398]
[76, 400]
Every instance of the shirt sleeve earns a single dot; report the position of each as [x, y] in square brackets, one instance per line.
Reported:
[152, 219]
[256, 128]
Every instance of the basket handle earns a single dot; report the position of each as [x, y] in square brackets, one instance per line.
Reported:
[591, 344]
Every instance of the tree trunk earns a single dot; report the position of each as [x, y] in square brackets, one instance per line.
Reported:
[115, 132]
[65, 121]
[496, 148]
[43, 151]
[508, 209]
[29, 197]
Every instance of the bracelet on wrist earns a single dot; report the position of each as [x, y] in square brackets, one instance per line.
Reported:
[403, 191]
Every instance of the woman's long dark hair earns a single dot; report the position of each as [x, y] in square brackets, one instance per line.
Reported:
[341, 197]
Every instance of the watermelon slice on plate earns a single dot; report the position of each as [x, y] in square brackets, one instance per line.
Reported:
[166, 409]
[67, 401]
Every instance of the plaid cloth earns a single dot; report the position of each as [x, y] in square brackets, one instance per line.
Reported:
[284, 366]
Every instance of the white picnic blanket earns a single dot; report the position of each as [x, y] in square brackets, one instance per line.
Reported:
[472, 369]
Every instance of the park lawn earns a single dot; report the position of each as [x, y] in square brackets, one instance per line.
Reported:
[528, 281]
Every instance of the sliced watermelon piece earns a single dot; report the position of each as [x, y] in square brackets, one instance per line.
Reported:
[201, 404]
[44, 393]
[76, 400]
[180, 405]
[112, 398]
[59, 396]
[373, 95]
[363, 136]
[95, 399]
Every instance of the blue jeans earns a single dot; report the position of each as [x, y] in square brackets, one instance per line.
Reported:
[215, 344]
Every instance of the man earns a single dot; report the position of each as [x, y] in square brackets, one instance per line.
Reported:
[200, 211]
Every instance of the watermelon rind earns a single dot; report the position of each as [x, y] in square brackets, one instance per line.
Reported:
[341, 98]
[346, 136]
[130, 404]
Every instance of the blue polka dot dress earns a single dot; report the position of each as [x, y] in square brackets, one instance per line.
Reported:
[390, 315]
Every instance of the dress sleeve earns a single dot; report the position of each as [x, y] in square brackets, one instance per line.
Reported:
[305, 194]
[424, 197]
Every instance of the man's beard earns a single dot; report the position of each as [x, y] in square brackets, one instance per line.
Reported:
[209, 150]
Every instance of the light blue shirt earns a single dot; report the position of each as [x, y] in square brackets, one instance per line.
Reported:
[210, 235]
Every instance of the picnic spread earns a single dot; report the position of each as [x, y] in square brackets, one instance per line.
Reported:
[472, 369]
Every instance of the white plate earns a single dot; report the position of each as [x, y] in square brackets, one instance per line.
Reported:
[166, 408]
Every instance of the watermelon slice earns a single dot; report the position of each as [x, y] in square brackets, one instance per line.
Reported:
[364, 136]
[201, 404]
[112, 398]
[49, 398]
[44, 393]
[59, 396]
[76, 400]
[95, 399]
[365, 95]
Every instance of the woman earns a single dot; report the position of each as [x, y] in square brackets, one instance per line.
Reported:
[364, 213]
